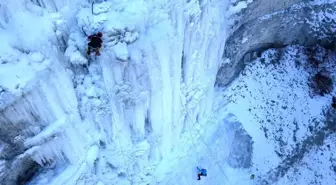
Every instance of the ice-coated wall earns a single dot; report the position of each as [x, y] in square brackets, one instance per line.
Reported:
[111, 119]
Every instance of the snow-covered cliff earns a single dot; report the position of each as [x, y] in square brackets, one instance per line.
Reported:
[146, 111]
[274, 24]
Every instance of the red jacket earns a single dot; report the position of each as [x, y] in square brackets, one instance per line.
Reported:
[95, 41]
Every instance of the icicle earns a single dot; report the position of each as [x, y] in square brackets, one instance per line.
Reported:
[92, 155]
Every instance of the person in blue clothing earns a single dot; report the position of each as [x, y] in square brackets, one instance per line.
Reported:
[201, 172]
[333, 104]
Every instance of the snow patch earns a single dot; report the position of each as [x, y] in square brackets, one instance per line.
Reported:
[238, 7]
[36, 57]
[244, 40]
[121, 51]
[92, 155]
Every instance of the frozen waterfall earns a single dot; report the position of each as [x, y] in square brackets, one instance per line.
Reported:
[114, 120]
[224, 85]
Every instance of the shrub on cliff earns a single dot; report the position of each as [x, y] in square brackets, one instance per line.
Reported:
[321, 84]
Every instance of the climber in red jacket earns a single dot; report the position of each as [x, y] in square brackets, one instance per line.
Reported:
[95, 43]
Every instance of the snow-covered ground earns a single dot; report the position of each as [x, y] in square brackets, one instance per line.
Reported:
[275, 105]
[146, 111]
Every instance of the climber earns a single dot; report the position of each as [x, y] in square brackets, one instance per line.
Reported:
[201, 172]
[333, 103]
[95, 43]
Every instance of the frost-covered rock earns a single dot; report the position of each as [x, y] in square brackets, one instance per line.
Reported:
[193, 9]
[36, 57]
[241, 147]
[125, 94]
[76, 48]
[126, 35]
[103, 7]
[121, 51]
[322, 23]
[314, 24]
[130, 37]
[74, 56]
[237, 7]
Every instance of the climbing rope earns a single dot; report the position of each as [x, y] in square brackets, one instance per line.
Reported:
[193, 140]
[122, 151]
[116, 133]
[124, 156]
[220, 167]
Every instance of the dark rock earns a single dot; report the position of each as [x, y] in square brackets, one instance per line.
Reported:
[267, 26]
[321, 84]
[241, 147]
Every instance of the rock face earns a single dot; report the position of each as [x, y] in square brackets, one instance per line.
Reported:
[19, 171]
[241, 146]
[317, 139]
[270, 24]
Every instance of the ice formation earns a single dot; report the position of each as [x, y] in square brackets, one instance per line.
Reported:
[127, 109]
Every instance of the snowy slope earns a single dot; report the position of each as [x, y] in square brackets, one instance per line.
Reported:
[274, 103]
